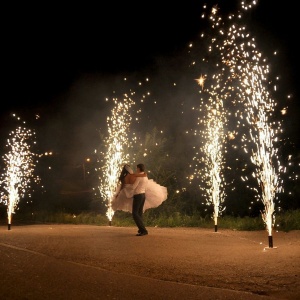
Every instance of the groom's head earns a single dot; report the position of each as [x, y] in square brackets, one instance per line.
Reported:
[140, 167]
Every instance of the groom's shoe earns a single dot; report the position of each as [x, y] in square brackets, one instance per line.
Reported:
[142, 233]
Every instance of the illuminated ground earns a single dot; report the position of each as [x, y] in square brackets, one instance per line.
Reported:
[107, 262]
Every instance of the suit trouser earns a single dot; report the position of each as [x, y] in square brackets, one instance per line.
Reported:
[137, 211]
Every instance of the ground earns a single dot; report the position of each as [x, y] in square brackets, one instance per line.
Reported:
[106, 262]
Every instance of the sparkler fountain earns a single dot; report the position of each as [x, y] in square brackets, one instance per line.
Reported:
[247, 74]
[116, 144]
[260, 107]
[211, 161]
[18, 170]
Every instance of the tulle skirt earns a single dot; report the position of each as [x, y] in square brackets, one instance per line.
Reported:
[155, 194]
[122, 199]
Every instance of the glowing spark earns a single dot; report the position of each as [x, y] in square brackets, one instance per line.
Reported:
[231, 135]
[201, 81]
[283, 111]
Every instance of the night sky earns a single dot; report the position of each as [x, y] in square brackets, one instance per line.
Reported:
[61, 61]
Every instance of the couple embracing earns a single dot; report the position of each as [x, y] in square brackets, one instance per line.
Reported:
[136, 193]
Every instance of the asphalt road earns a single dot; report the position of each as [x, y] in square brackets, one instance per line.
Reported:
[94, 262]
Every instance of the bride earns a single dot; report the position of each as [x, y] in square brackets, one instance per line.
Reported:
[123, 197]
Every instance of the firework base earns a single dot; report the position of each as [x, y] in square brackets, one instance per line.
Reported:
[8, 226]
[268, 248]
[216, 228]
[109, 223]
[270, 241]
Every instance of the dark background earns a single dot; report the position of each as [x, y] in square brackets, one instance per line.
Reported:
[46, 48]
[61, 61]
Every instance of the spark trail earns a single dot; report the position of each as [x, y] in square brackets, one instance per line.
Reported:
[246, 76]
[210, 160]
[120, 140]
[116, 144]
[123, 143]
[19, 169]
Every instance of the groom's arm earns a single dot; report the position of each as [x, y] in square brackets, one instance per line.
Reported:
[139, 174]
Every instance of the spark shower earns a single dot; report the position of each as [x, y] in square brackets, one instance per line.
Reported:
[19, 168]
[241, 78]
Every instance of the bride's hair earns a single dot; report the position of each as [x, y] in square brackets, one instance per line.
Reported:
[126, 170]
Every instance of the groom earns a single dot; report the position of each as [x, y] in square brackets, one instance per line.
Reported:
[139, 187]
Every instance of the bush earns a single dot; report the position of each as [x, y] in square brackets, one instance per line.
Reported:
[287, 221]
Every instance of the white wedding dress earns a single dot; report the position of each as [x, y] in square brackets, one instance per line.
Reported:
[155, 194]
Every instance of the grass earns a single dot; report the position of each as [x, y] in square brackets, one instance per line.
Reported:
[287, 221]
